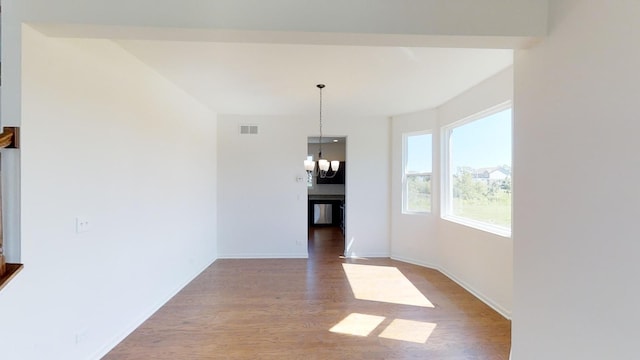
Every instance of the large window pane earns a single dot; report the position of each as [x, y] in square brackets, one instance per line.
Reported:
[417, 173]
[480, 170]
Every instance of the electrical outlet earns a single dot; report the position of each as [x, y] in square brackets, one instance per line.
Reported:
[82, 225]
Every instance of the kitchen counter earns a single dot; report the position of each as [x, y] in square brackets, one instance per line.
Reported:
[326, 210]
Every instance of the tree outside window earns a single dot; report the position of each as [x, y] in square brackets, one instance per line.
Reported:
[478, 171]
[416, 190]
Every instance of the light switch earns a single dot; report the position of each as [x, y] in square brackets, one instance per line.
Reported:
[82, 225]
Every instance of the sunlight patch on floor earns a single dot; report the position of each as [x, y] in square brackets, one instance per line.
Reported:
[383, 283]
[358, 324]
[408, 330]
[398, 329]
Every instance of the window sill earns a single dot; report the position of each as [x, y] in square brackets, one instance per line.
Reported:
[12, 271]
[416, 213]
[493, 229]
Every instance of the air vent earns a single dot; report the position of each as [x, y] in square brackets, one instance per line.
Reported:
[248, 129]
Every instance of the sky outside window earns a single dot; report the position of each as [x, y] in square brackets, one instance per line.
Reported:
[480, 172]
[419, 153]
[482, 143]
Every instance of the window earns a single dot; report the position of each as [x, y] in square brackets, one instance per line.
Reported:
[477, 171]
[416, 180]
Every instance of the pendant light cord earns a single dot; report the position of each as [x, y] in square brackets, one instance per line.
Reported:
[320, 86]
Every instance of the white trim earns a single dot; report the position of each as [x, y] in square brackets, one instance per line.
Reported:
[133, 325]
[446, 192]
[479, 295]
[479, 225]
[263, 256]
[485, 299]
[481, 114]
[415, 262]
[419, 213]
[367, 256]
[403, 181]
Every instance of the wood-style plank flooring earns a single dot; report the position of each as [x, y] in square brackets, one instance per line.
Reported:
[326, 307]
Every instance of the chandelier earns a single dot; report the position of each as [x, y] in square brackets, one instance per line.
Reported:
[325, 168]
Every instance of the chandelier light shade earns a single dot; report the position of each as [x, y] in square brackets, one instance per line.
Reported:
[309, 165]
[324, 168]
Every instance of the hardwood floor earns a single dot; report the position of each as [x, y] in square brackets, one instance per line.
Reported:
[310, 309]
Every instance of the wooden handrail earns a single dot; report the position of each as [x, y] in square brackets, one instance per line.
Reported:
[8, 139]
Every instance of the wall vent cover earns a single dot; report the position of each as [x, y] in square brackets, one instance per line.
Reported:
[248, 129]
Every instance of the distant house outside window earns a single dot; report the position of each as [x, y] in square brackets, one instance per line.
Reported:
[477, 171]
[416, 180]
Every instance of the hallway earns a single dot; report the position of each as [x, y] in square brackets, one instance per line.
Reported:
[326, 307]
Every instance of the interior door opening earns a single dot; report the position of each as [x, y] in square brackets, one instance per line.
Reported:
[326, 193]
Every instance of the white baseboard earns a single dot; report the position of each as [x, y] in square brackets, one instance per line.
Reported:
[485, 299]
[146, 315]
[263, 256]
[416, 262]
[367, 255]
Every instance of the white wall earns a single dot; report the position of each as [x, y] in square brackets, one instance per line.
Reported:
[263, 213]
[368, 184]
[368, 225]
[105, 138]
[576, 236]
[414, 237]
[480, 261]
[262, 206]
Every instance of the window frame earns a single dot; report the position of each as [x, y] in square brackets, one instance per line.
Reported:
[446, 195]
[405, 193]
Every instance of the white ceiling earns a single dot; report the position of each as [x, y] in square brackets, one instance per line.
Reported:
[276, 79]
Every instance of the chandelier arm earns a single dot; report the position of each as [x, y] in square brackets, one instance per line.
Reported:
[333, 174]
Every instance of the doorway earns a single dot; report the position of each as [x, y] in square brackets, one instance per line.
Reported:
[326, 195]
